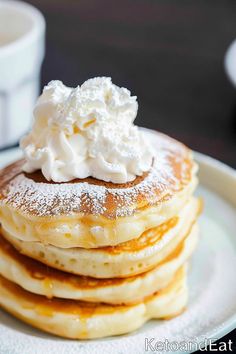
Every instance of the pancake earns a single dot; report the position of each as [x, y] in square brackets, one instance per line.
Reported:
[90, 213]
[127, 259]
[81, 320]
[37, 278]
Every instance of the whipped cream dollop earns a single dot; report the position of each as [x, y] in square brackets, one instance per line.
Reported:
[86, 131]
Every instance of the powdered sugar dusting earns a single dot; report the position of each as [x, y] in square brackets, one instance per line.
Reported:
[171, 170]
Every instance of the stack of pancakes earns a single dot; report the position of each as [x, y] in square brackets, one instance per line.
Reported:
[90, 259]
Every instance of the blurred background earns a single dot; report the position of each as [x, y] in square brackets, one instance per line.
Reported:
[168, 53]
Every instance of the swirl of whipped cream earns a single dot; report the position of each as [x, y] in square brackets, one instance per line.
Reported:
[86, 131]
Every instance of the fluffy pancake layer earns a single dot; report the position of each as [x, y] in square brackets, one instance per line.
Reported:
[37, 278]
[127, 259]
[90, 259]
[81, 320]
[92, 213]
[92, 231]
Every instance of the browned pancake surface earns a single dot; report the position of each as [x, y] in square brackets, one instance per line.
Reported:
[46, 273]
[85, 309]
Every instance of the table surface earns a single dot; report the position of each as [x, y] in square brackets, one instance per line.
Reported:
[169, 53]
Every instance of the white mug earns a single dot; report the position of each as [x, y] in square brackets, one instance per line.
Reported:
[22, 48]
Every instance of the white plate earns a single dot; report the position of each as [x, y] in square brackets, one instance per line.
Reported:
[211, 311]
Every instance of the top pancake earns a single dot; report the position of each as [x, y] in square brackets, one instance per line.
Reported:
[32, 195]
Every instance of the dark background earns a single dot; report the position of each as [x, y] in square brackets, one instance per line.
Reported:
[168, 53]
